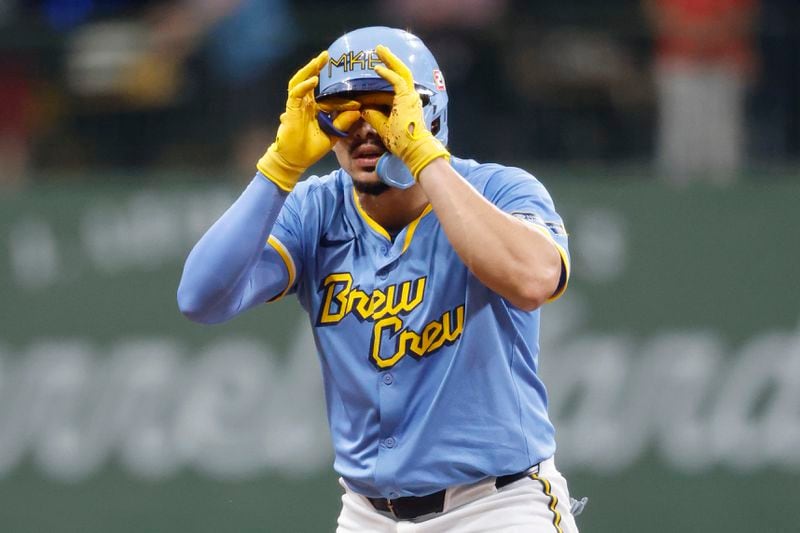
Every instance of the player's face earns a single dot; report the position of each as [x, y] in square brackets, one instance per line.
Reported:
[358, 153]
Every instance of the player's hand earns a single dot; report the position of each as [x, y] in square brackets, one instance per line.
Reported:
[403, 131]
[300, 142]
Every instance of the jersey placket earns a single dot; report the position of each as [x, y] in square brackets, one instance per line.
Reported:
[391, 398]
[391, 402]
[390, 395]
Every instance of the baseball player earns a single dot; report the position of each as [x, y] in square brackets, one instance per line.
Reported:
[422, 274]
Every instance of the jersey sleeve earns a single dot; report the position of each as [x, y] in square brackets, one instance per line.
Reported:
[521, 195]
[230, 270]
[286, 241]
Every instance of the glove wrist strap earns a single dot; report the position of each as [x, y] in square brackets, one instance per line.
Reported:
[278, 170]
[421, 153]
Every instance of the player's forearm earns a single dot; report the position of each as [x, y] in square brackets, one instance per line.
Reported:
[212, 285]
[506, 254]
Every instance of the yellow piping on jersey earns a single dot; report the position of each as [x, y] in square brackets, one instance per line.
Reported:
[413, 227]
[287, 260]
[564, 261]
[368, 219]
[380, 230]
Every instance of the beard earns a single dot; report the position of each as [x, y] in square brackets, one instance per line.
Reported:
[372, 188]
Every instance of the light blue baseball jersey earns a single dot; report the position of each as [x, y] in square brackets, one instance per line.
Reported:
[430, 377]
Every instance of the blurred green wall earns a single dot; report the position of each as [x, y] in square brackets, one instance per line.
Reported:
[673, 364]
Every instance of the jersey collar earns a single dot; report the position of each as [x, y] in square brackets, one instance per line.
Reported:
[380, 230]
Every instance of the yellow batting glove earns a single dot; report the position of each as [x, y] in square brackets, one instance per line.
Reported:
[300, 141]
[403, 131]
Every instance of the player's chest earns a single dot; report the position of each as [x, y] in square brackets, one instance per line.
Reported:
[391, 299]
[371, 275]
[352, 249]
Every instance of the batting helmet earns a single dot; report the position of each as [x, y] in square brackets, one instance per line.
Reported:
[351, 69]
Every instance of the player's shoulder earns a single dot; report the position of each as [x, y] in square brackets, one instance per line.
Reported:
[490, 178]
[326, 191]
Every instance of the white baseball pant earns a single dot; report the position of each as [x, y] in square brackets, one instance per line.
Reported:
[536, 504]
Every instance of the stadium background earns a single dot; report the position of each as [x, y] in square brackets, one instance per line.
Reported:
[673, 361]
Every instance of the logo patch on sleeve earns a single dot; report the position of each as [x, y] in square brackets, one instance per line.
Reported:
[557, 228]
[533, 218]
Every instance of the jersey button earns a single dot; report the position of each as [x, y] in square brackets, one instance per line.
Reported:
[384, 250]
[388, 379]
[389, 442]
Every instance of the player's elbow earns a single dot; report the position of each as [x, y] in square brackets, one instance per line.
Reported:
[534, 288]
[527, 300]
[194, 307]
[189, 305]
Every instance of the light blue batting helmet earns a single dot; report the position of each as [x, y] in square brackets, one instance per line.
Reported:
[351, 69]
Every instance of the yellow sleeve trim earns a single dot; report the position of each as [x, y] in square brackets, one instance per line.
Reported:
[287, 260]
[565, 265]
